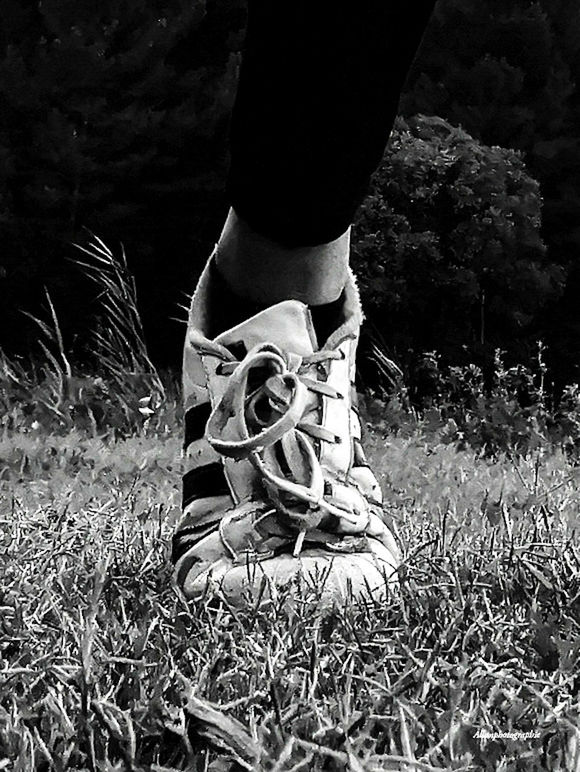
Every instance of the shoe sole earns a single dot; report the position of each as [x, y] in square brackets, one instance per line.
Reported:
[357, 577]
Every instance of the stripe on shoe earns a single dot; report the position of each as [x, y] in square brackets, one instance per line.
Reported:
[207, 510]
[198, 558]
[204, 482]
[200, 518]
[196, 419]
[185, 563]
[184, 540]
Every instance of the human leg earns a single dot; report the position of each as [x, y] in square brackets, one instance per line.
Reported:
[277, 477]
[318, 94]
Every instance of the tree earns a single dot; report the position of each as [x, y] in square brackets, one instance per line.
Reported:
[507, 71]
[112, 116]
[502, 70]
[447, 246]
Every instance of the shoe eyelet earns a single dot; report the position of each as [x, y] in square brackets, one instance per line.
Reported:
[219, 369]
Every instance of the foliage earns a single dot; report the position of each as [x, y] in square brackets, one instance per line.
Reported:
[508, 73]
[510, 411]
[447, 245]
[37, 399]
[121, 392]
[113, 116]
[103, 666]
[505, 71]
[117, 389]
[119, 344]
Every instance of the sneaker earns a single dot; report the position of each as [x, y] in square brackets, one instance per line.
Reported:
[277, 484]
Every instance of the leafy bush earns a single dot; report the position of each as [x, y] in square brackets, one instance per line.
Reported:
[509, 411]
[447, 246]
[39, 401]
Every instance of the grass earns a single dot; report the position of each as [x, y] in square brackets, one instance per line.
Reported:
[104, 667]
[472, 665]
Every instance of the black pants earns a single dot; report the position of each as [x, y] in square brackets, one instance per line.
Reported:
[318, 93]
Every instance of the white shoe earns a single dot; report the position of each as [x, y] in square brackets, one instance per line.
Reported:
[277, 484]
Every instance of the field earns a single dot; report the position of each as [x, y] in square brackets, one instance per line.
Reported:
[103, 666]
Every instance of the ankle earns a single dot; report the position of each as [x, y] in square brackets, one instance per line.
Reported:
[265, 272]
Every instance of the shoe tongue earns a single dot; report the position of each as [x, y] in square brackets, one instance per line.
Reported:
[287, 325]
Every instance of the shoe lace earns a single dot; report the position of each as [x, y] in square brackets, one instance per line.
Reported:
[272, 400]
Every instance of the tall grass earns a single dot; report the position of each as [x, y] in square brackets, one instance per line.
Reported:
[118, 390]
[119, 338]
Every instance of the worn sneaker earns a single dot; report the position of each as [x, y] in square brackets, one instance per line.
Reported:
[277, 484]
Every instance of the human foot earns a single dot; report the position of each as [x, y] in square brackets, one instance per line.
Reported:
[277, 484]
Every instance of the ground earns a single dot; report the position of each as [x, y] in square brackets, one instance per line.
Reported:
[103, 666]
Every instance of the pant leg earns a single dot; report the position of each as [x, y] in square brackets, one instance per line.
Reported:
[317, 97]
